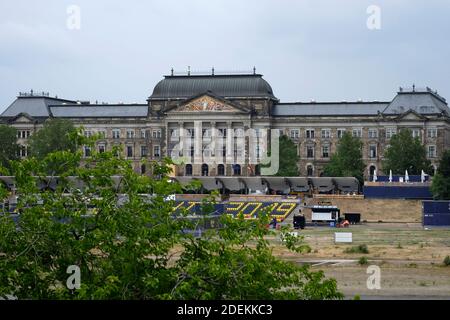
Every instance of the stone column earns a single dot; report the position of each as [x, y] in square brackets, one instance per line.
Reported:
[230, 143]
[198, 152]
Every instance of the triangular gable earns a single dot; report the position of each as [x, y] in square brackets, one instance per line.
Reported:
[208, 102]
[21, 118]
[411, 115]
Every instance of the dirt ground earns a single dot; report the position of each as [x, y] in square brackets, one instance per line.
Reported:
[410, 259]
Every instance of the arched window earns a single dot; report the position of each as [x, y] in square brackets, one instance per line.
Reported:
[372, 169]
[220, 170]
[257, 170]
[188, 170]
[310, 170]
[143, 169]
[205, 169]
[236, 170]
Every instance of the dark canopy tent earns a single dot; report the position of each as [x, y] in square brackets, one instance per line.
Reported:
[210, 183]
[254, 183]
[298, 184]
[232, 184]
[323, 184]
[347, 184]
[277, 184]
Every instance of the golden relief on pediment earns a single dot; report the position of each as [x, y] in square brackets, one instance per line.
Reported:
[206, 103]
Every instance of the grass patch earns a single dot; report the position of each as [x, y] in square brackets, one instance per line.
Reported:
[362, 248]
[363, 261]
[447, 261]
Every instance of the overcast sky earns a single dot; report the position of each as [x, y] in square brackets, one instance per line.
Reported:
[315, 49]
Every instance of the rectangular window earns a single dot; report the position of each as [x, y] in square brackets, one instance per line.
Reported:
[190, 133]
[23, 151]
[340, 133]
[326, 133]
[101, 148]
[130, 134]
[144, 151]
[129, 151]
[116, 133]
[88, 133]
[206, 133]
[431, 151]
[295, 133]
[143, 134]
[222, 132]
[156, 152]
[310, 152]
[156, 134]
[23, 134]
[432, 133]
[390, 132]
[373, 133]
[372, 151]
[415, 133]
[325, 151]
[87, 152]
[357, 132]
[310, 134]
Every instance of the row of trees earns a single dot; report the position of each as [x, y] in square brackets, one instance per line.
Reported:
[404, 153]
[137, 248]
[54, 136]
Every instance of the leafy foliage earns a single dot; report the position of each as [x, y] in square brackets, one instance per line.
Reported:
[406, 153]
[9, 147]
[288, 158]
[136, 248]
[54, 136]
[440, 186]
[347, 160]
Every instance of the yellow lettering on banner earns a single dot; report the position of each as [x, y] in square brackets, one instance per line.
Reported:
[237, 208]
[250, 215]
[191, 204]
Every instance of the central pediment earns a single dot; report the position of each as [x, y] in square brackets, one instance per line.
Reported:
[208, 103]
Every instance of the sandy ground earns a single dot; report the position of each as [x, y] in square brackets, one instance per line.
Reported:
[410, 259]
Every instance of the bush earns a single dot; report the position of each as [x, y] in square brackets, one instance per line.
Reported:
[447, 261]
[363, 261]
[362, 248]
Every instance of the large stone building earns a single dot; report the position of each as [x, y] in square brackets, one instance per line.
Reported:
[220, 108]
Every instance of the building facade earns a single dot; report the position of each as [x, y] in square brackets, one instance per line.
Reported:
[203, 120]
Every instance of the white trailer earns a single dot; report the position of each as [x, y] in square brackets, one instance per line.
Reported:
[324, 213]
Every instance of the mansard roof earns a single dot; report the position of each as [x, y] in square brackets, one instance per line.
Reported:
[307, 109]
[35, 105]
[224, 85]
[99, 111]
[422, 101]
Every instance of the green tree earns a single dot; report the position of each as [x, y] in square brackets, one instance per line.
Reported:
[9, 147]
[136, 248]
[54, 136]
[288, 158]
[406, 153]
[347, 160]
[440, 186]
